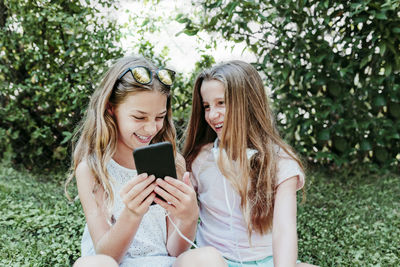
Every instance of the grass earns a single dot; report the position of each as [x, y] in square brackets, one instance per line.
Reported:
[350, 218]
[38, 226]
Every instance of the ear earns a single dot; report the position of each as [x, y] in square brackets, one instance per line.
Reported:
[110, 109]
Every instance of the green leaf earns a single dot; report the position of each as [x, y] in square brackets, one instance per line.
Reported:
[215, 4]
[379, 101]
[67, 137]
[382, 48]
[381, 154]
[145, 22]
[365, 145]
[388, 69]
[340, 144]
[365, 60]
[191, 32]
[319, 58]
[285, 72]
[231, 6]
[381, 15]
[324, 135]
[181, 19]
[394, 110]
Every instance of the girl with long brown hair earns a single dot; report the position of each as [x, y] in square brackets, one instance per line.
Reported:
[245, 175]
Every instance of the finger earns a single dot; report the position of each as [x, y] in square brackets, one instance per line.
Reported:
[166, 195]
[147, 202]
[172, 187]
[137, 179]
[165, 205]
[144, 194]
[186, 179]
[138, 188]
[181, 185]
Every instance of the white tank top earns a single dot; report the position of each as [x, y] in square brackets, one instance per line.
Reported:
[148, 247]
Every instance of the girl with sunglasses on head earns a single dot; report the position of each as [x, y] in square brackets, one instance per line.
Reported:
[245, 175]
[130, 109]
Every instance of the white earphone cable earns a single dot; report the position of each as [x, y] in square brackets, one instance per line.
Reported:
[230, 209]
[179, 232]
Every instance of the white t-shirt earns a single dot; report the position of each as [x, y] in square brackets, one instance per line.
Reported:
[221, 226]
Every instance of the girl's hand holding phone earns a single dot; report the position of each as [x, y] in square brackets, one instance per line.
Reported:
[138, 194]
[180, 196]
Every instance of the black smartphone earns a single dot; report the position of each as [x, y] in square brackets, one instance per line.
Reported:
[156, 159]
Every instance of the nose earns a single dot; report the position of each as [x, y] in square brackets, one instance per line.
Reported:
[213, 113]
[150, 127]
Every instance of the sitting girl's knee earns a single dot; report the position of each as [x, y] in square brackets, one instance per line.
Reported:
[211, 252]
[204, 256]
[96, 260]
[210, 256]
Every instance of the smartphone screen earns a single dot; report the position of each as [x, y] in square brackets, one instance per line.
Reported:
[156, 159]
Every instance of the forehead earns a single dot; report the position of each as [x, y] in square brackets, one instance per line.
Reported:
[145, 101]
[211, 90]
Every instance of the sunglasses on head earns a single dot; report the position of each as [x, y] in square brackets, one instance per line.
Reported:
[144, 75]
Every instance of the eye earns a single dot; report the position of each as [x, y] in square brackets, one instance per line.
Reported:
[160, 117]
[221, 102]
[206, 106]
[138, 118]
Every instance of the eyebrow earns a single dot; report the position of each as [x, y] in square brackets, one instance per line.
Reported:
[145, 113]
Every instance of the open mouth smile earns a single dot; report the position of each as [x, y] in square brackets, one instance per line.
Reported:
[142, 138]
[218, 126]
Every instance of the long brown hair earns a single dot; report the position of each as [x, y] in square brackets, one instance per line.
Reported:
[95, 140]
[248, 123]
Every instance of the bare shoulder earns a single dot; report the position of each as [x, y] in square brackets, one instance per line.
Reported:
[85, 178]
[82, 168]
[83, 173]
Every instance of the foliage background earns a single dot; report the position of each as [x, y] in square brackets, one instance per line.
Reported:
[332, 68]
[51, 57]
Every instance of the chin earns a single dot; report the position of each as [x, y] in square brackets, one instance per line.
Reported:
[138, 144]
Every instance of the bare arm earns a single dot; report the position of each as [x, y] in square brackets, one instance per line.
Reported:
[185, 217]
[113, 240]
[284, 232]
[183, 210]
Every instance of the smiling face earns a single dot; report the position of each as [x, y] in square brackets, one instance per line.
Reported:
[139, 118]
[213, 97]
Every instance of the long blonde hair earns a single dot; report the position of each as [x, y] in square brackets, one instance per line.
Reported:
[248, 123]
[95, 140]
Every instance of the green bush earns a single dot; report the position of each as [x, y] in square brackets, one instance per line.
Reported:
[51, 57]
[333, 68]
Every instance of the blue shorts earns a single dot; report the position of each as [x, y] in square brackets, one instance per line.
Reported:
[267, 262]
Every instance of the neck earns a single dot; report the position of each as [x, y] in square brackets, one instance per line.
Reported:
[124, 157]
